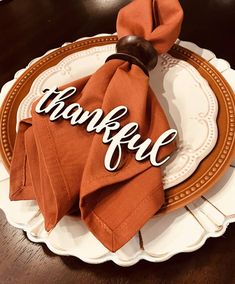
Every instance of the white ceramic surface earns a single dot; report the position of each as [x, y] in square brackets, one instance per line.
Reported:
[190, 109]
[208, 216]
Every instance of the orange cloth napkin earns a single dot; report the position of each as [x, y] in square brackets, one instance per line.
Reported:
[62, 166]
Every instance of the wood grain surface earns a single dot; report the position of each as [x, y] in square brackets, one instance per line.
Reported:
[28, 29]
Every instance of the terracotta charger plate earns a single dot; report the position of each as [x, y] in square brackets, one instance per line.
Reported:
[210, 169]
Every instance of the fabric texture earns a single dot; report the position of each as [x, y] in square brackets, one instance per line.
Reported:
[62, 166]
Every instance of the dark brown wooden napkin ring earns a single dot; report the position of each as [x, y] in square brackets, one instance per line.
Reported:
[136, 50]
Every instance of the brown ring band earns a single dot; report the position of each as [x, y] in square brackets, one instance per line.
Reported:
[130, 58]
[136, 50]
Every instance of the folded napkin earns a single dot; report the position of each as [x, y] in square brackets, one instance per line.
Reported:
[62, 166]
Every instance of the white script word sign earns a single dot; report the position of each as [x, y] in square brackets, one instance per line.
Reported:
[113, 134]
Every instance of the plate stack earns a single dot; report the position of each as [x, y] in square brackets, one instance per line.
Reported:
[196, 90]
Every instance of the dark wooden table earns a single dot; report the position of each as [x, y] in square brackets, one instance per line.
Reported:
[28, 29]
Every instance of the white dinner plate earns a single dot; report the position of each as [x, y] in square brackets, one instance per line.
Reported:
[186, 97]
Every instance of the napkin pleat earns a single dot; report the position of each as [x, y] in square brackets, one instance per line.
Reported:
[21, 187]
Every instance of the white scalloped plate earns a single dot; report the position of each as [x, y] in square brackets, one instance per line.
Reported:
[191, 109]
[206, 217]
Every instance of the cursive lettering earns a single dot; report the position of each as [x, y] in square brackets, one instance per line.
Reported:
[53, 102]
